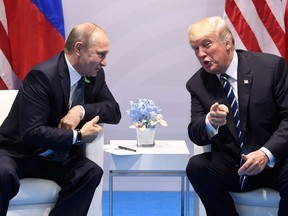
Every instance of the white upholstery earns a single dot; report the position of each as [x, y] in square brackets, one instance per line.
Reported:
[28, 194]
[260, 202]
[37, 197]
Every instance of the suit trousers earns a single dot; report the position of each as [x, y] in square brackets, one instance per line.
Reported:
[77, 176]
[214, 174]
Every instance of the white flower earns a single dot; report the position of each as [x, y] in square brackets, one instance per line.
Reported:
[145, 114]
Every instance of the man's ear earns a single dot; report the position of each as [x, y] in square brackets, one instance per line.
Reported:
[78, 48]
[228, 45]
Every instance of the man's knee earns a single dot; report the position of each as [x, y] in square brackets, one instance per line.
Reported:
[95, 169]
[196, 165]
[8, 168]
[9, 180]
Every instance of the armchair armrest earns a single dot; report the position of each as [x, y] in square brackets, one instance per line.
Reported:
[201, 149]
[95, 152]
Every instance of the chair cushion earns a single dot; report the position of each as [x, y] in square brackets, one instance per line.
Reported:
[35, 191]
[259, 197]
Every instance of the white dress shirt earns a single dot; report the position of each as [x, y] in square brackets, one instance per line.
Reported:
[74, 78]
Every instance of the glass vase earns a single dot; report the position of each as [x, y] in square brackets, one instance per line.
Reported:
[146, 137]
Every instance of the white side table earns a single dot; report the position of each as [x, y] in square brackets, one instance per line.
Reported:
[166, 158]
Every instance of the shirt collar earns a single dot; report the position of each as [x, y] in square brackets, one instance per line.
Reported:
[232, 69]
[74, 75]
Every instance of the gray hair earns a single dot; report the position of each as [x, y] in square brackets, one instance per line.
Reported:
[84, 33]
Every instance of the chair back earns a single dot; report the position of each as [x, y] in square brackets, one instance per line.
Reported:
[7, 98]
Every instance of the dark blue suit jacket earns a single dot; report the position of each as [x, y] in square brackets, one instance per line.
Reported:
[42, 100]
[263, 105]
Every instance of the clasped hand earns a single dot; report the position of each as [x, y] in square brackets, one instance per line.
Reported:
[89, 130]
[255, 162]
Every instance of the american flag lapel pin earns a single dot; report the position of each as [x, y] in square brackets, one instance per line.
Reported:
[246, 82]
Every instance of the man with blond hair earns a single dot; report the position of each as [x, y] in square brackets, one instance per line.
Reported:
[239, 105]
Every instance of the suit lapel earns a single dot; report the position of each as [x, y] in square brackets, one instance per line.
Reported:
[244, 80]
[65, 82]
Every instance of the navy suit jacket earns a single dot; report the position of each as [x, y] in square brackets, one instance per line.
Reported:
[263, 106]
[32, 124]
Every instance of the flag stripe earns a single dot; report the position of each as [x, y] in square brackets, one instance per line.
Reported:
[286, 30]
[259, 25]
[239, 43]
[271, 24]
[31, 31]
[4, 47]
[8, 77]
[32, 41]
[4, 42]
[264, 40]
[241, 26]
[3, 85]
[53, 12]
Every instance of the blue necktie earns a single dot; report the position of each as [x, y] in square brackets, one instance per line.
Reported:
[234, 107]
[78, 95]
[77, 99]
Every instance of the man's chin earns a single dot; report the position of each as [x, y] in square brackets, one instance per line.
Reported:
[94, 74]
[208, 69]
[211, 69]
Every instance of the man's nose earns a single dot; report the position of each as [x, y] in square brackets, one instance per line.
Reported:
[103, 62]
[201, 52]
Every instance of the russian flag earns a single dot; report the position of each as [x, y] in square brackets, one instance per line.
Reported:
[31, 31]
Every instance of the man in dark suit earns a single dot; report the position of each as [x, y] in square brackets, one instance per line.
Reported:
[260, 84]
[43, 123]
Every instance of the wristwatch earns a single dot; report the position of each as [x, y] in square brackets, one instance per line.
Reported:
[79, 136]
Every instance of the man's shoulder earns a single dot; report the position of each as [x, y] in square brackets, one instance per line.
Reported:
[201, 74]
[48, 70]
[50, 62]
[257, 55]
[258, 61]
[198, 78]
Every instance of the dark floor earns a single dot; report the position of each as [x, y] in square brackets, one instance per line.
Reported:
[145, 203]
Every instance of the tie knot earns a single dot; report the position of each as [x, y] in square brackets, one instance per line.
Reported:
[80, 84]
[81, 81]
[224, 77]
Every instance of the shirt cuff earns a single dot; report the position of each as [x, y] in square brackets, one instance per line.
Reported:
[83, 112]
[272, 159]
[211, 131]
[74, 137]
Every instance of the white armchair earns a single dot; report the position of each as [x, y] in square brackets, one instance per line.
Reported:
[260, 202]
[37, 197]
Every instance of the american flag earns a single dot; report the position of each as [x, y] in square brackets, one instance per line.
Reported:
[259, 25]
[31, 31]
